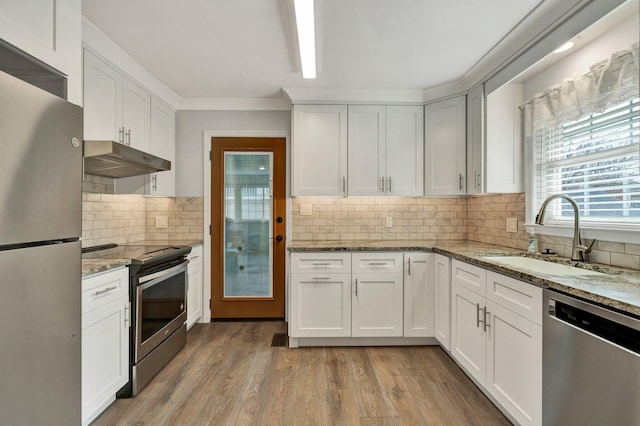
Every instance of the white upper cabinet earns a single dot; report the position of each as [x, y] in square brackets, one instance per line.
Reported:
[367, 141]
[385, 150]
[102, 100]
[504, 139]
[49, 30]
[319, 150]
[136, 115]
[404, 152]
[162, 144]
[445, 147]
[115, 108]
[475, 141]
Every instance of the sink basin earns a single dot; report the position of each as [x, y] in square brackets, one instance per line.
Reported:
[541, 266]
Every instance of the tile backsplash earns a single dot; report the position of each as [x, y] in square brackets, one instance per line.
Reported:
[365, 218]
[113, 218]
[116, 218]
[479, 218]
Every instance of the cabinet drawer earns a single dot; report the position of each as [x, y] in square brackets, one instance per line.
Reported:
[99, 290]
[375, 262]
[321, 263]
[519, 297]
[469, 276]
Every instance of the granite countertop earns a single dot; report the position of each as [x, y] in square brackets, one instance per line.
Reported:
[94, 266]
[390, 245]
[617, 288]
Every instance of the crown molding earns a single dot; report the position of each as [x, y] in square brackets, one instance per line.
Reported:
[354, 96]
[235, 104]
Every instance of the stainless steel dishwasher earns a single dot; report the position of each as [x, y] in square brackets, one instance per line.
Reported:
[591, 364]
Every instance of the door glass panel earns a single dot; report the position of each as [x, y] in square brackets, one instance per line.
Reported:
[248, 207]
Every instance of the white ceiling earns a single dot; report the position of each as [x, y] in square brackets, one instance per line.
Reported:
[244, 48]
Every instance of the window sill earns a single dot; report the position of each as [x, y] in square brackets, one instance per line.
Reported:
[629, 234]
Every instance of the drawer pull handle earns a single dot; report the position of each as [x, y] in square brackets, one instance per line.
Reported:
[356, 287]
[194, 257]
[106, 290]
[377, 264]
[321, 278]
[324, 265]
[486, 321]
[478, 320]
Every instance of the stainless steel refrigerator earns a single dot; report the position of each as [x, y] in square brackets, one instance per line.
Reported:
[40, 260]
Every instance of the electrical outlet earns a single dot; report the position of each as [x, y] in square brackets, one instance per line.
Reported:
[306, 209]
[162, 222]
[389, 222]
[512, 224]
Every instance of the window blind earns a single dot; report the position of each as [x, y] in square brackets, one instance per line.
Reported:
[596, 161]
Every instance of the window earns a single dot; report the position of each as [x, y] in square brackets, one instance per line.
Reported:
[596, 161]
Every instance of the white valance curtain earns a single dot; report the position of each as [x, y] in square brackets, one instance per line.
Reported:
[608, 82]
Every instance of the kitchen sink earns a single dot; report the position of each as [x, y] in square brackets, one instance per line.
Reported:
[541, 266]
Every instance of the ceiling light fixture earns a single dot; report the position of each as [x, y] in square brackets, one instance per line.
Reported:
[568, 45]
[305, 23]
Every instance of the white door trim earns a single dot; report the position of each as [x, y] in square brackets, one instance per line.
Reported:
[208, 134]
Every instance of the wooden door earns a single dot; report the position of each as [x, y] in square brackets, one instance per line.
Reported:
[248, 225]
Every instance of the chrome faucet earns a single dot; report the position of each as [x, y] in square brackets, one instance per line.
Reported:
[579, 251]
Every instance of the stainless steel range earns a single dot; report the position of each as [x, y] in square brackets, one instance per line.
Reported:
[158, 284]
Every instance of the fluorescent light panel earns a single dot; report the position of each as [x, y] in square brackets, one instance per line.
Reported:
[305, 23]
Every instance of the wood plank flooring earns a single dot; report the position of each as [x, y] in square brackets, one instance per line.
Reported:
[228, 374]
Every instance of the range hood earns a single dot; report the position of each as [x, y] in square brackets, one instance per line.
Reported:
[116, 160]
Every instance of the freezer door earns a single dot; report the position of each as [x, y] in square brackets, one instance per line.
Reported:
[40, 326]
[40, 164]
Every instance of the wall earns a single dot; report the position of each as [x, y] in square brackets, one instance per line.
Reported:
[480, 218]
[190, 127]
[109, 218]
[363, 218]
[620, 37]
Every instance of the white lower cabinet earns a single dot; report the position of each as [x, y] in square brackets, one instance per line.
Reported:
[468, 343]
[194, 289]
[377, 299]
[442, 299]
[105, 340]
[361, 294]
[419, 294]
[322, 305]
[496, 336]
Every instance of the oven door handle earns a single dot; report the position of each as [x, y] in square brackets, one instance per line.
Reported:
[162, 273]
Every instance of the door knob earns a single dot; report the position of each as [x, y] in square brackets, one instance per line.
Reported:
[278, 238]
[279, 219]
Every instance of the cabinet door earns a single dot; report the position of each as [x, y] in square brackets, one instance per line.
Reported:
[136, 115]
[376, 306]
[102, 111]
[468, 341]
[162, 144]
[49, 30]
[366, 150]
[319, 150]
[105, 355]
[418, 295]
[504, 139]
[475, 141]
[514, 364]
[443, 300]
[404, 151]
[194, 290]
[320, 305]
[445, 149]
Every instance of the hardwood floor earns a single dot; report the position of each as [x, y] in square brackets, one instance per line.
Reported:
[228, 374]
